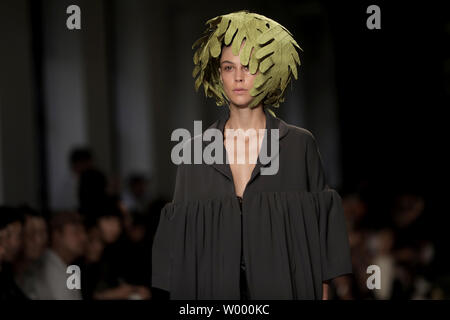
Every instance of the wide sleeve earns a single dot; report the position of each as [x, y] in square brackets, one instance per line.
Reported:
[161, 247]
[334, 241]
[161, 250]
[333, 237]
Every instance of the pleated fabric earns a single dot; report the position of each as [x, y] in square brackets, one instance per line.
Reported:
[292, 241]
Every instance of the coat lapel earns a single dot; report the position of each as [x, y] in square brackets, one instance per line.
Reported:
[271, 123]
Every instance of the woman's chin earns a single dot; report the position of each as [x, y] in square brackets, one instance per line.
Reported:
[241, 103]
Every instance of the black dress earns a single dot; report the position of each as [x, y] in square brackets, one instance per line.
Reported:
[286, 236]
[243, 278]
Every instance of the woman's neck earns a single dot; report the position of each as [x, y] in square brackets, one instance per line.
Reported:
[246, 118]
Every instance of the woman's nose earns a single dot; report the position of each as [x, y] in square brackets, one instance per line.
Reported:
[239, 76]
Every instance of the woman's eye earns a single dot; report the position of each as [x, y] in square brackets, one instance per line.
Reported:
[227, 68]
[246, 68]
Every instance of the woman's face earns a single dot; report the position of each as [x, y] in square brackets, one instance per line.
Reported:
[236, 79]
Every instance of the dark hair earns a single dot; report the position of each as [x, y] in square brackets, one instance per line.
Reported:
[136, 178]
[103, 206]
[139, 219]
[63, 218]
[9, 215]
[92, 186]
[28, 211]
[80, 154]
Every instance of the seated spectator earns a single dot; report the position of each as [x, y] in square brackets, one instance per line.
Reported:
[68, 239]
[11, 223]
[92, 183]
[108, 274]
[91, 263]
[135, 197]
[136, 255]
[35, 240]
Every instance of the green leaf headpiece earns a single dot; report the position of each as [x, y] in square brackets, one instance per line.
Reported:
[274, 55]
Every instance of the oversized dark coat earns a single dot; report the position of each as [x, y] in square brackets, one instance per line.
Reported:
[294, 233]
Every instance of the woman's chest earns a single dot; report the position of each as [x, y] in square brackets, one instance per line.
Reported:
[242, 153]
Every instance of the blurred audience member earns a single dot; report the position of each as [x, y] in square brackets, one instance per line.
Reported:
[11, 222]
[136, 266]
[413, 249]
[135, 196]
[80, 160]
[35, 240]
[68, 240]
[91, 266]
[381, 244]
[92, 184]
[107, 225]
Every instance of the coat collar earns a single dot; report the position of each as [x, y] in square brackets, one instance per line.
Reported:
[271, 123]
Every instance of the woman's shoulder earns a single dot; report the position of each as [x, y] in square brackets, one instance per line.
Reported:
[295, 130]
[299, 133]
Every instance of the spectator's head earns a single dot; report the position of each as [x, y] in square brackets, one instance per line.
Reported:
[355, 209]
[137, 183]
[105, 213]
[408, 207]
[80, 159]
[384, 241]
[68, 235]
[35, 236]
[94, 245]
[109, 221]
[11, 233]
[138, 228]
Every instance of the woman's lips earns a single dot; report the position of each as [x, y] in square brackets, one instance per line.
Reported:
[240, 90]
